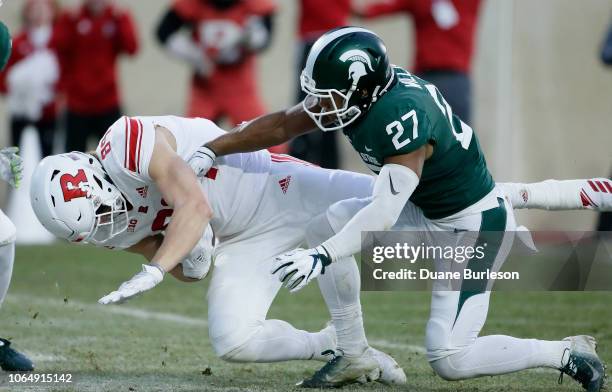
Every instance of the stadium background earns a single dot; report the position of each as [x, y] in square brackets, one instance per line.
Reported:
[541, 96]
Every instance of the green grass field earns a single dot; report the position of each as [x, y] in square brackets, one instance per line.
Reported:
[159, 341]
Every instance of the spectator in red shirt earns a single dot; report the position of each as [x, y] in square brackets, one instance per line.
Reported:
[445, 32]
[30, 77]
[89, 40]
[223, 38]
[317, 17]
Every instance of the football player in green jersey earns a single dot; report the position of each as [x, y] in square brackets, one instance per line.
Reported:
[11, 171]
[432, 176]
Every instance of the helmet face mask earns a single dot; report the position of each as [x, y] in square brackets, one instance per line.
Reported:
[73, 199]
[346, 71]
[111, 214]
[328, 108]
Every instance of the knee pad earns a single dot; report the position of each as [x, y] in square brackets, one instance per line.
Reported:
[446, 369]
[230, 343]
[437, 340]
[244, 349]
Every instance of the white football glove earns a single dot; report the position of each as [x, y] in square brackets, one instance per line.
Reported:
[202, 160]
[149, 277]
[182, 47]
[255, 33]
[197, 264]
[297, 268]
[11, 166]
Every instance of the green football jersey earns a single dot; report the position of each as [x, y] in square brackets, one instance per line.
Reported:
[409, 115]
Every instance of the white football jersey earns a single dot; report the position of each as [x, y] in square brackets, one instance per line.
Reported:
[233, 187]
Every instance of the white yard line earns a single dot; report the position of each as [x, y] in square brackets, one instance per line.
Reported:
[42, 357]
[112, 309]
[388, 344]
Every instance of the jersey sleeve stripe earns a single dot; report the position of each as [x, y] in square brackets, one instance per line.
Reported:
[139, 148]
[288, 158]
[127, 132]
[133, 134]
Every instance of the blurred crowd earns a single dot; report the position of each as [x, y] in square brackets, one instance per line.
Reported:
[62, 74]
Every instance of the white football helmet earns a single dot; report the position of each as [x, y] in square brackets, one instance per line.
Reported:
[74, 199]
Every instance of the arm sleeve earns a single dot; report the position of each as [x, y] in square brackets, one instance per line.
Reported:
[60, 40]
[394, 186]
[169, 24]
[128, 38]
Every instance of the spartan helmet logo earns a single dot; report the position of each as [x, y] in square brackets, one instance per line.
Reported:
[359, 60]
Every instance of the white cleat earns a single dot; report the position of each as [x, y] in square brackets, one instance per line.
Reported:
[390, 372]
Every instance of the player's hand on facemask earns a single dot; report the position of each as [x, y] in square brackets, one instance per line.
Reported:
[297, 268]
[197, 264]
[202, 160]
[149, 277]
[11, 166]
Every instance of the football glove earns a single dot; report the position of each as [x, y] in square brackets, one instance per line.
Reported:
[297, 268]
[11, 166]
[202, 160]
[197, 264]
[150, 276]
[256, 35]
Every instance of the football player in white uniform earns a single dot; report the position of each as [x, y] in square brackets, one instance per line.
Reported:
[11, 172]
[258, 205]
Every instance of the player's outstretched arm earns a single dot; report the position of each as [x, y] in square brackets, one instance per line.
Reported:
[181, 190]
[147, 248]
[263, 132]
[395, 184]
[583, 194]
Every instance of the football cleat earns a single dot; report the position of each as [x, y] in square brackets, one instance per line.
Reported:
[583, 363]
[342, 370]
[390, 372]
[13, 361]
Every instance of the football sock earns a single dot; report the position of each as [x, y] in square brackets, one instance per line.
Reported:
[561, 194]
[340, 285]
[7, 256]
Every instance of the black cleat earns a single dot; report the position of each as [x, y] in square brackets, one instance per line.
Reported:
[341, 371]
[583, 364]
[13, 361]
